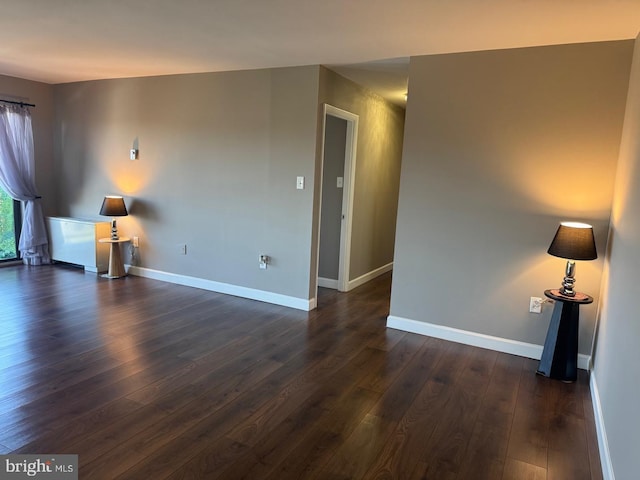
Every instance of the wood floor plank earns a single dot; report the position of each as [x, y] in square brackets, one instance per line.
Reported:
[277, 409]
[173, 434]
[382, 374]
[406, 446]
[202, 414]
[529, 439]
[487, 449]
[81, 427]
[447, 445]
[564, 467]
[209, 464]
[568, 451]
[386, 415]
[312, 452]
[359, 450]
[323, 406]
[145, 379]
[517, 470]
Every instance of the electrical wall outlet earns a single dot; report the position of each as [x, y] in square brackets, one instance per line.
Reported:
[535, 305]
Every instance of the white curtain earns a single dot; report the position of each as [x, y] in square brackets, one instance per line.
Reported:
[17, 178]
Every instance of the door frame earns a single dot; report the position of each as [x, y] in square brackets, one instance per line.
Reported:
[347, 194]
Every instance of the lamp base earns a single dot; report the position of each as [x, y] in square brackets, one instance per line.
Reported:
[567, 293]
[569, 280]
[114, 230]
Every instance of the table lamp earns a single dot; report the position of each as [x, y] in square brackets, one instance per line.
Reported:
[113, 206]
[573, 241]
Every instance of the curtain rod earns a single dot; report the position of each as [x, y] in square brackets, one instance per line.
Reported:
[22, 104]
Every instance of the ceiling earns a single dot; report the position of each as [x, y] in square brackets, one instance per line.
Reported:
[58, 41]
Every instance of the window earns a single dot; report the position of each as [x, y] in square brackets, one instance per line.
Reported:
[9, 227]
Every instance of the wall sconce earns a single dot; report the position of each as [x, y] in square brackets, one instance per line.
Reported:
[113, 206]
[573, 241]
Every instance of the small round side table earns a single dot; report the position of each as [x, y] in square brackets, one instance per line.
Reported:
[116, 266]
[560, 355]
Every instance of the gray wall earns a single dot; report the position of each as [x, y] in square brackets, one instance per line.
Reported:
[617, 356]
[41, 95]
[500, 146]
[219, 156]
[331, 211]
[377, 171]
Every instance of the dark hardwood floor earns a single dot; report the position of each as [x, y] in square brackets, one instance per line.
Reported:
[148, 380]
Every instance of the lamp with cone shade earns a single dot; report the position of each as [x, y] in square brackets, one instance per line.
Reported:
[573, 241]
[113, 206]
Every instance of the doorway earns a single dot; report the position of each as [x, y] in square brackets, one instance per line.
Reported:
[340, 130]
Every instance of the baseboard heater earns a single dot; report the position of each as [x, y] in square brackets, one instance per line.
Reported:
[75, 241]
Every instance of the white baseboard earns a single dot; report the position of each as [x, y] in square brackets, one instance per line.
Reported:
[328, 283]
[226, 288]
[361, 280]
[498, 344]
[603, 444]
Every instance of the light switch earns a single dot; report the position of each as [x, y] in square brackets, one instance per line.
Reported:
[133, 154]
[340, 182]
[300, 183]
